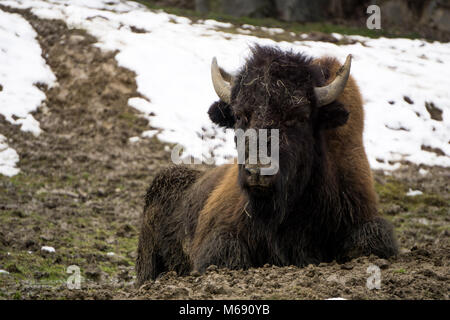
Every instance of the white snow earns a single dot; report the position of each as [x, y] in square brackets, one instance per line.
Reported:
[3, 271]
[110, 254]
[21, 68]
[338, 36]
[413, 193]
[272, 31]
[149, 133]
[214, 23]
[423, 172]
[134, 139]
[172, 63]
[8, 159]
[48, 249]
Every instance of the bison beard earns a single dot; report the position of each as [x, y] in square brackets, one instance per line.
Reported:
[321, 205]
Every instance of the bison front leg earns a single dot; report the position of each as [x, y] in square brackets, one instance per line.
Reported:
[372, 237]
[224, 251]
[148, 264]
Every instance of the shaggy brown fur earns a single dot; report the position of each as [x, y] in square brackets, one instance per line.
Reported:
[322, 206]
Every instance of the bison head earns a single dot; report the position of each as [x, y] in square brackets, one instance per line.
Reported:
[285, 91]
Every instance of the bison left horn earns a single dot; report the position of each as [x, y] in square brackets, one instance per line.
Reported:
[331, 92]
[221, 81]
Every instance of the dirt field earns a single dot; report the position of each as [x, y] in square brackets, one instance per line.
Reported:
[81, 191]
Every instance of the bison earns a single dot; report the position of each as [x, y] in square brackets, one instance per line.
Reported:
[321, 204]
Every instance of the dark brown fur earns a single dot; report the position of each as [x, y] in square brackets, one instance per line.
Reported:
[193, 219]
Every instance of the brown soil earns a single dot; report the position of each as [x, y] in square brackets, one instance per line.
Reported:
[81, 191]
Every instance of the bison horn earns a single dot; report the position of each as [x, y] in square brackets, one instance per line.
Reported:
[221, 81]
[331, 92]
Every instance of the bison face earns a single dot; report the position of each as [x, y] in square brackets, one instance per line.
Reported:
[283, 91]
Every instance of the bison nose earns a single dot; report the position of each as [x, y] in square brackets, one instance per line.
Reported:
[252, 171]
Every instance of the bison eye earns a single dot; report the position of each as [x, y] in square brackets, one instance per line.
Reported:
[240, 118]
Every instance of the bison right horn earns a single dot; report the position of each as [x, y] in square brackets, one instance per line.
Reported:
[331, 92]
[221, 81]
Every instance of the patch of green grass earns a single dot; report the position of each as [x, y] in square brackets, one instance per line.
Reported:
[17, 296]
[23, 265]
[295, 27]
[23, 180]
[110, 269]
[399, 271]
[394, 191]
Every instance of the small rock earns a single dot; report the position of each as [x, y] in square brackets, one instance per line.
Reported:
[382, 263]
[134, 139]
[259, 283]
[195, 273]
[101, 192]
[214, 289]
[48, 249]
[393, 209]
[61, 192]
[347, 266]
[46, 237]
[75, 39]
[93, 273]
[422, 252]
[125, 276]
[310, 273]
[423, 221]
[212, 268]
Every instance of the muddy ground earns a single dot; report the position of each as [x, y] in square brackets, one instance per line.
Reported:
[81, 189]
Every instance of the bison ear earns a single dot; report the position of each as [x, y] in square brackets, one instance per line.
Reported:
[333, 115]
[221, 113]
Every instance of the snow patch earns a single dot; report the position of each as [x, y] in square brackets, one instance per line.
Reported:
[22, 68]
[413, 193]
[149, 133]
[8, 159]
[172, 63]
[134, 139]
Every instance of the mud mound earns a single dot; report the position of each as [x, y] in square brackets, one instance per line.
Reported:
[423, 280]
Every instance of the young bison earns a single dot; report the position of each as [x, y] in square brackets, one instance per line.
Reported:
[319, 206]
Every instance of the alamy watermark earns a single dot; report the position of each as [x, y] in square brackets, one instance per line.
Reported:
[74, 281]
[252, 148]
[374, 280]
[374, 20]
